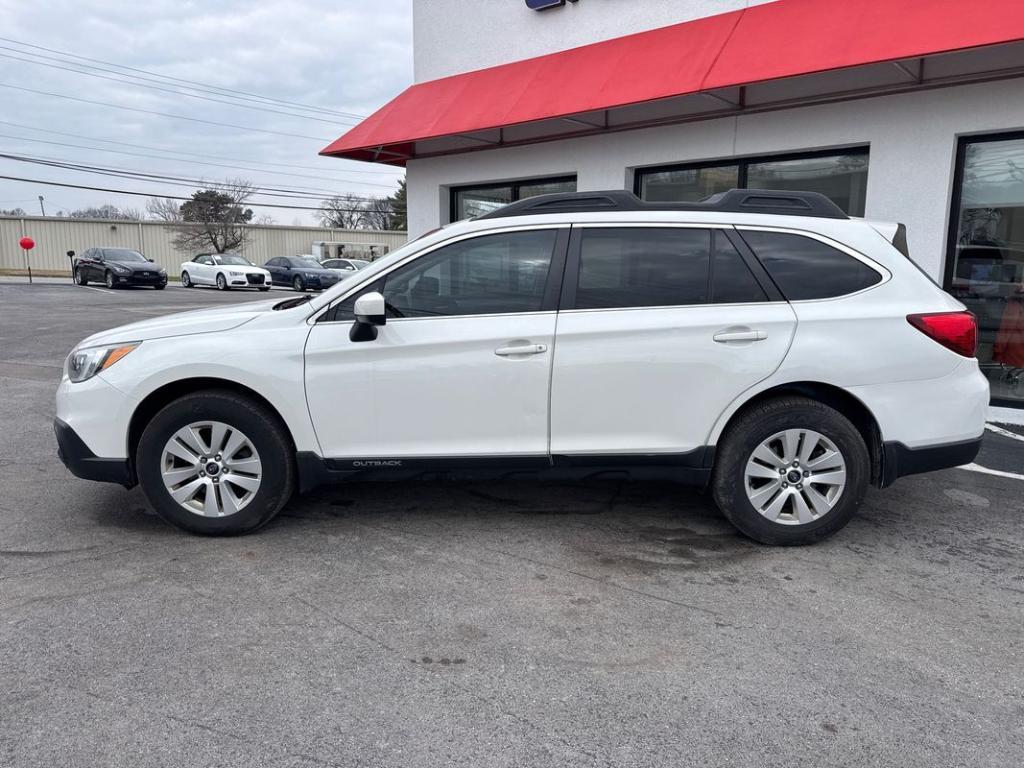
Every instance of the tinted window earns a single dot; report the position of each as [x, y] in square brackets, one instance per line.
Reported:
[642, 267]
[805, 268]
[732, 282]
[273, 263]
[485, 275]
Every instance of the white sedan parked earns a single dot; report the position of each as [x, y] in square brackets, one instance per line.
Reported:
[224, 270]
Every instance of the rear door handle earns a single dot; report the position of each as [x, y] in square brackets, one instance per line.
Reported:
[521, 349]
[725, 337]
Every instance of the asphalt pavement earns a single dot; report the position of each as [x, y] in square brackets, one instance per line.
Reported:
[492, 624]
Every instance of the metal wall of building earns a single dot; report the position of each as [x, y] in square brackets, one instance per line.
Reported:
[56, 236]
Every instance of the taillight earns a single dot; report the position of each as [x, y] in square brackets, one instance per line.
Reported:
[957, 331]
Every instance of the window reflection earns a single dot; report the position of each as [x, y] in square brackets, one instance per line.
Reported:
[988, 259]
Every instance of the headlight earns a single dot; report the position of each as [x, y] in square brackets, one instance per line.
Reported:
[83, 364]
[120, 269]
[236, 274]
[163, 273]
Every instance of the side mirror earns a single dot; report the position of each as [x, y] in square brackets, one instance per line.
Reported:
[369, 311]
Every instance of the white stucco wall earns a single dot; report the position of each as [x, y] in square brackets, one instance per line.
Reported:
[452, 36]
[912, 139]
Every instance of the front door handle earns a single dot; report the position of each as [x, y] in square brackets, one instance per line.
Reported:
[521, 349]
[746, 334]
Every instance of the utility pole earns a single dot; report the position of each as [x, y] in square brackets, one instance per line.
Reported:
[43, 210]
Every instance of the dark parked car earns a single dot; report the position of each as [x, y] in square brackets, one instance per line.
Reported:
[117, 267]
[301, 272]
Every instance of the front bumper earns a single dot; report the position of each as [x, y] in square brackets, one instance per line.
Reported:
[83, 463]
[137, 279]
[899, 461]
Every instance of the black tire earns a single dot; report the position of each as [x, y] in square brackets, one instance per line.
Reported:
[257, 422]
[108, 278]
[80, 278]
[161, 286]
[299, 284]
[758, 425]
[186, 280]
[222, 283]
[265, 289]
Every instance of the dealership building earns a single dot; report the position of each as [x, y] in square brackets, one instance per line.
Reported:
[899, 110]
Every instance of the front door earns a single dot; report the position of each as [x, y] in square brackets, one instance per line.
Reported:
[661, 329]
[460, 371]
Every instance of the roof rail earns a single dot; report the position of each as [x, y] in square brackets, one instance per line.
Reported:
[734, 201]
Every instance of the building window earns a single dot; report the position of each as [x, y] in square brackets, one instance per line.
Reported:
[477, 200]
[985, 258]
[840, 175]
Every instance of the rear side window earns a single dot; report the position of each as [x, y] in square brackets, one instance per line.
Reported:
[643, 267]
[805, 268]
[732, 282]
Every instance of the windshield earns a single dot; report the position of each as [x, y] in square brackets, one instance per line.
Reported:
[232, 259]
[123, 254]
[307, 262]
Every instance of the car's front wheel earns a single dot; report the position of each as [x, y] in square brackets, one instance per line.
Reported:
[791, 470]
[298, 284]
[108, 278]
[216, 463]
[222, 283]
[186, 281]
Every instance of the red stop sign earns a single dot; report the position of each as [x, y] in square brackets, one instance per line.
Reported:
[27, 243]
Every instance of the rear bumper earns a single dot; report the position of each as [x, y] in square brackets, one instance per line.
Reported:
[83, 463]
[898, 460]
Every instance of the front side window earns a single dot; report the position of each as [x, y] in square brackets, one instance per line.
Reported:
[839, 175]
[468, 202]
[805, 268]
[985, 265]
[491, 274]
[642, 267]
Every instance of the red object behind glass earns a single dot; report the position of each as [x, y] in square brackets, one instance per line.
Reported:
[1009, 346]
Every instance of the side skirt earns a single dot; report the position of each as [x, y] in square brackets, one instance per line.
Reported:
[691, 468]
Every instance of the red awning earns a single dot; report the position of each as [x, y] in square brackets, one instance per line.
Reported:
[669, 73]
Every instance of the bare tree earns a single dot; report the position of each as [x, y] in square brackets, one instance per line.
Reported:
[163, 209]
[341, 212]
[378, 213]
[107, 211]
[12, 211]
[213, 218]
[264, 219]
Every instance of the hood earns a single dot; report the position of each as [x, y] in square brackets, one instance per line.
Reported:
[183, 323]
[137, 266]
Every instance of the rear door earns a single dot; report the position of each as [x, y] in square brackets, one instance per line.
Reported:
[660, 328]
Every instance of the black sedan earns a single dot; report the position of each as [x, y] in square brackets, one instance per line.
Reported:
[301, 272]
[118, 267]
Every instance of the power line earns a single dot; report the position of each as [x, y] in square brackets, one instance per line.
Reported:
[162, 114]
[167, 197]
[335, 121]
[311, 194]
[194, 162]
[195, 154]
[193, 84]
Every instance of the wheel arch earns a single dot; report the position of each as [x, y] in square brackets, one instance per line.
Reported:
[150, 405]
[831, 395]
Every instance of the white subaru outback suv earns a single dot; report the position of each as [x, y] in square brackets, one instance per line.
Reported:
[760, 344]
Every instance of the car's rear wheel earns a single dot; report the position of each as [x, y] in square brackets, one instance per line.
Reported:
[216, 463]
[298, 284]
[222, 283]
[791, 471]
[186, 281]
[80, 278]
[108, 278]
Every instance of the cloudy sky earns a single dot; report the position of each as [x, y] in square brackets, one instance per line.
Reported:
[334, 58]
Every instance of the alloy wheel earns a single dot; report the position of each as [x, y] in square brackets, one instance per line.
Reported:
[795, 477]
[211, 469]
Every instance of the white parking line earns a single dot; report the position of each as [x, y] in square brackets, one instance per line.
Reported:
[987, 471]
[101, 290]
[1004, 432]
